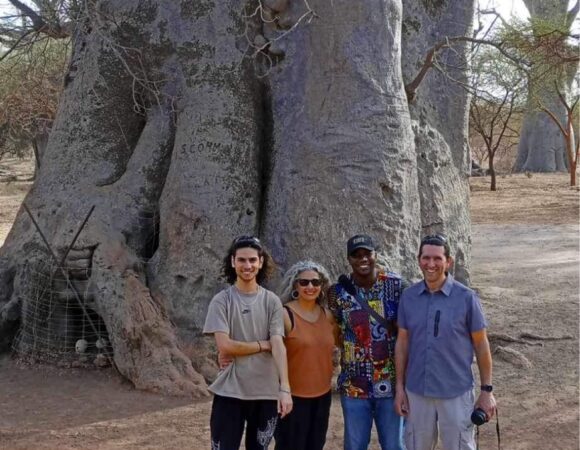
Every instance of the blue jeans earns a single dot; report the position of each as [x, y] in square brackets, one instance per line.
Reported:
[358, 421]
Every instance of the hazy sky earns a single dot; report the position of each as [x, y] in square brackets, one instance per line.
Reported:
[506, 8]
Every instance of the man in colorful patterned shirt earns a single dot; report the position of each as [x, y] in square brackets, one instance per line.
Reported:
[365, 305]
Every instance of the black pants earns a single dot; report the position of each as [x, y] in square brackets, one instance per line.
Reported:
[229, 415]
[305, 427]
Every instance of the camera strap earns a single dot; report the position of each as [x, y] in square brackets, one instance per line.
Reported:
[349, 287]
[496, 430]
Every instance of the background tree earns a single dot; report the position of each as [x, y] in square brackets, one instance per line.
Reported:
[31, 82]
[546, 43]
[567, 125]
[187, 123]
[32, 20]
[498, 88]
[34, 50]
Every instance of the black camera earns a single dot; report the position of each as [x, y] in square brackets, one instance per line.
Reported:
[478, 417]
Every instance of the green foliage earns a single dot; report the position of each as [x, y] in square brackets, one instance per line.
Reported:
[30, 86]
[494, 76]
[547, 52]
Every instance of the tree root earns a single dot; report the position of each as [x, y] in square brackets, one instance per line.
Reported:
[502, 337]
[512, 356]
[537, 337]
[146, 348]
[525, 338]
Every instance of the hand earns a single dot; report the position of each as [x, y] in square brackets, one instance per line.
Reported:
[284, 404]
[266, 346]
[401, 402]
[486, 401]
[335, 357]
[224, 360]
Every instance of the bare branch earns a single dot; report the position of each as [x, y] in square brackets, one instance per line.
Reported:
[411, 88]
[14, 46]
[497, 16]
[553, 117]
[39, 24]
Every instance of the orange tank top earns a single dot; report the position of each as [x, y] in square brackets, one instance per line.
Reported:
[309, 347]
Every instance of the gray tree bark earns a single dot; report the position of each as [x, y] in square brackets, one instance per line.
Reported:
[440, 114]
[542, 146]
[181, 144]
[343, 158]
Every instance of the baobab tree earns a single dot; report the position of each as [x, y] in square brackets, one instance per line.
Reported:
[187, 123]
[550, 52]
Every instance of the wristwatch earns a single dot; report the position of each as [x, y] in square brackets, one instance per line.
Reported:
[486, 388]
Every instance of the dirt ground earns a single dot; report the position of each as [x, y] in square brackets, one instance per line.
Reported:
[525, 267]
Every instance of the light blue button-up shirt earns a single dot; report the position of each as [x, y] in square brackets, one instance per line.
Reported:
[440, 347]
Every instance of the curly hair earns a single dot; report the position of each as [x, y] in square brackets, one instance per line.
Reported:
[291, 275]
[268, 266]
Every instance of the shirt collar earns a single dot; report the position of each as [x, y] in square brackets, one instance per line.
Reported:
[445, 289]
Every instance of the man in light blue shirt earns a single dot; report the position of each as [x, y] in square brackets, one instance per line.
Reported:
[441, 327]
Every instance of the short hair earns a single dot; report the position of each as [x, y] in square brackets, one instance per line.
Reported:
[291, 275]
[439, 240]
[245, 241]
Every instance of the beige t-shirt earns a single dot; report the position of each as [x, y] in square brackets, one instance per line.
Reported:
[248, 318]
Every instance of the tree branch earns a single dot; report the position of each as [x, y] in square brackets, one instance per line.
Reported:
[497, 15]
[553, 117]
[411, 88]
[14, 46]
[39, 24]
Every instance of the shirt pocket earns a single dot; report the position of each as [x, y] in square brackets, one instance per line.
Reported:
[448, 322]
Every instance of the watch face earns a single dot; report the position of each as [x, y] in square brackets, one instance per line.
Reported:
[487, 387]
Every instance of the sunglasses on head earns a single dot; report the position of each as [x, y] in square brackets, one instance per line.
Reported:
[247, 240]
[304, 282]
[436, 238]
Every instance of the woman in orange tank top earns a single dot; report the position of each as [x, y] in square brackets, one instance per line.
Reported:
[310, 340]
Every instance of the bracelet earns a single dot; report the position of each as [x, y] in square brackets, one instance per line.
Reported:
[286, 391]
[259, 346]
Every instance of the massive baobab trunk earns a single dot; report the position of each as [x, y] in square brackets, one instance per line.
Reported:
[183, 135]
[343, 157]
[542, 146]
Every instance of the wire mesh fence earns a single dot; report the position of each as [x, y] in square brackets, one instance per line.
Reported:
[60, 319]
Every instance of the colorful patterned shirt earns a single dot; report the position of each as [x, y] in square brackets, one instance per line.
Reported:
[367, 350]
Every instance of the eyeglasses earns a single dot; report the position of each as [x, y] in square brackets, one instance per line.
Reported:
[250, 241]
[304, 282]
[435, 238]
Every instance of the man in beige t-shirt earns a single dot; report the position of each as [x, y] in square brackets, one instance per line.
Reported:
[247, 323]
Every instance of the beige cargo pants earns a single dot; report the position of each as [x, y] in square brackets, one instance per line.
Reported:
[448, 418]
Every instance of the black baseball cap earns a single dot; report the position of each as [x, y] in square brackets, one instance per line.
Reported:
[360, 241]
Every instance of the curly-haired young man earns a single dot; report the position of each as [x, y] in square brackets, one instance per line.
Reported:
[247, 322]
